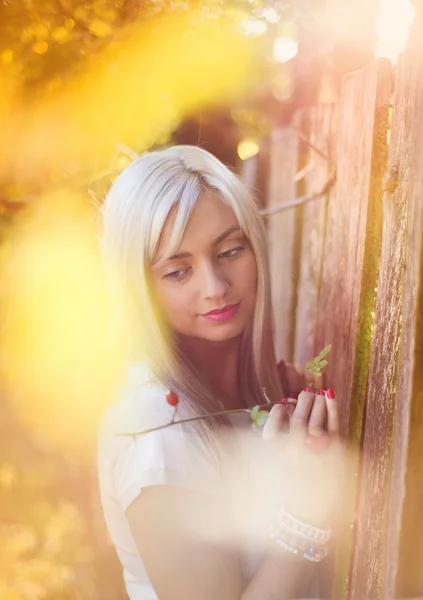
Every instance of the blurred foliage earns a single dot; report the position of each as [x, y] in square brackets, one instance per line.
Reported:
[55, 363]
[54, 544]
[44, 42]
[53, 538]
[49, 48]
[46, 45]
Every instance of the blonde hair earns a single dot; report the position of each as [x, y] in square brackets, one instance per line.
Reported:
[134, 214]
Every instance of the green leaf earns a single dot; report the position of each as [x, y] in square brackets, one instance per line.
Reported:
[254, 412]
[261, 418]
[322, 364]
[323, 354]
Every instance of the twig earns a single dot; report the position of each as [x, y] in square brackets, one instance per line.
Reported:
[303, 172]
[216, 414]
[273, 210]
[305, 139]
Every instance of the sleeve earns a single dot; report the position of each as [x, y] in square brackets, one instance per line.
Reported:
[159, 458]
[170, 456]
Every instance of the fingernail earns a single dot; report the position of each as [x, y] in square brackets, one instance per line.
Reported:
[330, 393]
[283, 400]
[309, 390]
[321, 392]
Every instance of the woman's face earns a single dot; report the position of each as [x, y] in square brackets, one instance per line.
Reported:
[207, 289]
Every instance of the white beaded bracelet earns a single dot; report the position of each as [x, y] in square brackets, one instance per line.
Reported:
[300, 538]
[305, 530]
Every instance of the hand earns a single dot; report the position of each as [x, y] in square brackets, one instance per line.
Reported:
[312, 481]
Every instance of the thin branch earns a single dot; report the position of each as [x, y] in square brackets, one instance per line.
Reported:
[303, 172]
[216, 414]
[273, 210]
[305, 139]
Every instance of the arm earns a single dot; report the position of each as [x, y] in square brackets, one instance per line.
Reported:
[188, 542]
[174, 530]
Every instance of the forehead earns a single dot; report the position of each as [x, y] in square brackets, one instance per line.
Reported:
[209, 218]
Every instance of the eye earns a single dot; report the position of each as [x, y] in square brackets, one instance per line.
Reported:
[176, 275]
[231, 253]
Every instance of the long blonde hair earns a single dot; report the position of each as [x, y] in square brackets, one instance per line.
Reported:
[134, 214]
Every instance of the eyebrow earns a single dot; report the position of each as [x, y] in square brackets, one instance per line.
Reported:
[215, 242]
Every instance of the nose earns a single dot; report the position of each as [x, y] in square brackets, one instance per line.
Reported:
[213, 282]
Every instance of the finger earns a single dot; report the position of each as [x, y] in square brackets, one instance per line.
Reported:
[316, 421]
[290, 407]
[333, 412]
[290, 404]
[274, 423]
[302, 412]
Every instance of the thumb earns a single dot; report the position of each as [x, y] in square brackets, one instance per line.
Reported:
[274, 423]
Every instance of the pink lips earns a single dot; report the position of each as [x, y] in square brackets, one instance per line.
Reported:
[222, 314]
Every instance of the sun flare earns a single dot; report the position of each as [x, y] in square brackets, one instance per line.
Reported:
[392, 27]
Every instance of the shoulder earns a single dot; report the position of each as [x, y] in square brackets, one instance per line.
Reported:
[129, 458]
[140, 403]
[293, 378]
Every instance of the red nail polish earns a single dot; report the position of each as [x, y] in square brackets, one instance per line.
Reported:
[283, 400]
[309, 390]
[330, 393]
[321, 393]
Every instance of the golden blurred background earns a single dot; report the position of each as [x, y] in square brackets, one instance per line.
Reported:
[85, 87]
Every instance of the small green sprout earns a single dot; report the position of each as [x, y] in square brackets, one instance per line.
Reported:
[259, 417]
[315, 367]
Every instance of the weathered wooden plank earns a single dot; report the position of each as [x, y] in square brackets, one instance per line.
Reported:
[353, 232]
[283, 232]
[350, 266]
[319, 131]
[254, 173]
[248, 173]
[388, 563]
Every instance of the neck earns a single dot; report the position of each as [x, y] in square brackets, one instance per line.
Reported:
[219, 363]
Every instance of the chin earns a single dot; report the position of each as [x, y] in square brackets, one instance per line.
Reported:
[224, 332]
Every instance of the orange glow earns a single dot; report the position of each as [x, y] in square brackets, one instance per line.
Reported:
[138, 88]
[60, 362]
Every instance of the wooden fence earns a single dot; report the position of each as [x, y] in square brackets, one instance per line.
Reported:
[347, 270]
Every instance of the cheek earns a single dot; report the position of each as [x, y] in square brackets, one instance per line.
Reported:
[247, 275]
[174, 300]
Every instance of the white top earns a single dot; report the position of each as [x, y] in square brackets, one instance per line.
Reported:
[126, 465]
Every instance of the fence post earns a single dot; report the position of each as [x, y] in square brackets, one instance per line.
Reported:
[388, 563]
[350, 266]
[254, 172]
[283, 235]
[319, 120]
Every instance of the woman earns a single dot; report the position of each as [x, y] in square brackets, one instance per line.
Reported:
[183, 236]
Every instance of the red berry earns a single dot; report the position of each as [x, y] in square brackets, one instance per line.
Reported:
[172, 398]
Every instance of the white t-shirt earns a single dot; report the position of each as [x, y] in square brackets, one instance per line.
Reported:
[126, 465]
